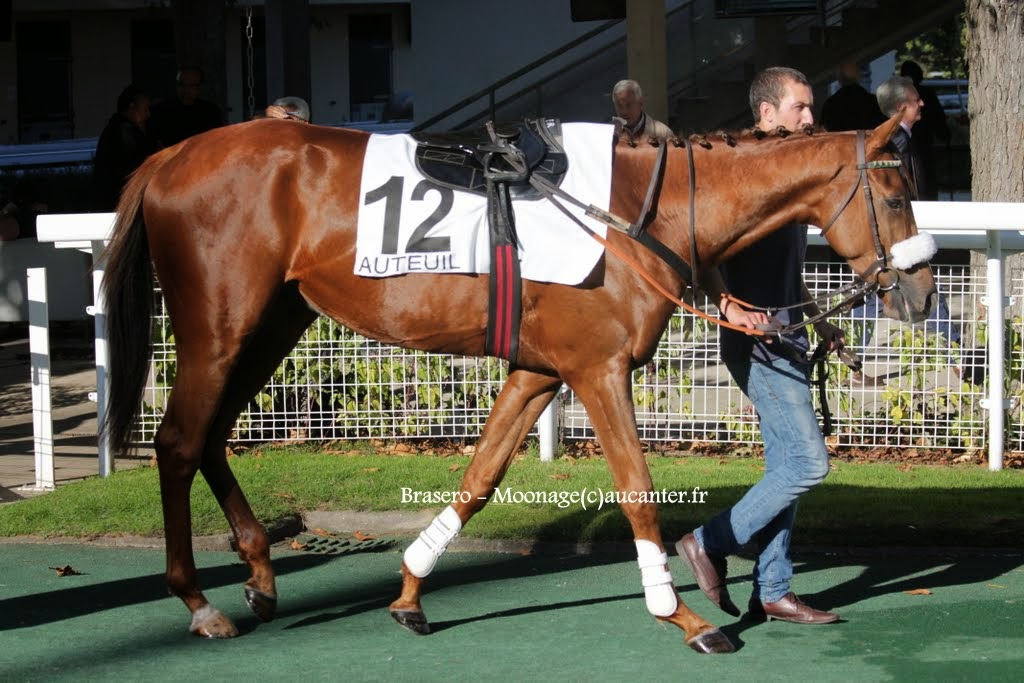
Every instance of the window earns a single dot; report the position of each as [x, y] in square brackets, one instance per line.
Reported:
[154, 62]
[44, 81]
[369, 58]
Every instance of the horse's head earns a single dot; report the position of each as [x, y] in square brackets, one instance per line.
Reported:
[873, 226]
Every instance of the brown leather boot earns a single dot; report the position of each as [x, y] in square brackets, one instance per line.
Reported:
[789, 608]
[709, 570]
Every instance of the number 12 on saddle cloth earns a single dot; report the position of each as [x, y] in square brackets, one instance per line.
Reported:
[408, 223]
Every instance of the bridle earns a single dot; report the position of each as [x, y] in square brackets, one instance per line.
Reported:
[881, 265]
[867, 282]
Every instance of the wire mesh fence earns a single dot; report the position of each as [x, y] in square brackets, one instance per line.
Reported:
[921, 385]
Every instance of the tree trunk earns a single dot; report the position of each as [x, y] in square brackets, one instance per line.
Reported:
[199, 40]
[995, 45]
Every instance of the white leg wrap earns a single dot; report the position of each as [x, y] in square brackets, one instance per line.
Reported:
[421, 556]
[659, 589]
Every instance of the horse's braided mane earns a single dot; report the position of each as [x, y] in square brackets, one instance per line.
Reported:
[731, 138]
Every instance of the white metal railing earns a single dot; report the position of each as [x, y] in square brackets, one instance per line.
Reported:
[375, 390]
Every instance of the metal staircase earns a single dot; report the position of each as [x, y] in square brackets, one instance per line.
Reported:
[710, 62]
[846, 30]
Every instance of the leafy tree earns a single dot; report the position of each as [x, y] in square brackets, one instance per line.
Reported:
[939, 51]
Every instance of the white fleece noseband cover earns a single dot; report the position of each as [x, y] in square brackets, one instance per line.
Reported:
[917, 249]
[659, 590]
[421, 556]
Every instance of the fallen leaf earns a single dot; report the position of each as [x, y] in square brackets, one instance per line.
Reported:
[455, 468]
[994, 585]
[371, 469]
[286, 496]
[559, 476]
[918, 591]
[320, 532]
[298, 546]
[360, 536]
[526, 551]
[66, 570]
[905, 467]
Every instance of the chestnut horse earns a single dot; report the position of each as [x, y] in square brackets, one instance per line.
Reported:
[251, 229]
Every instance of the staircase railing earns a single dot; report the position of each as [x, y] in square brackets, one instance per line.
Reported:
[490, 91]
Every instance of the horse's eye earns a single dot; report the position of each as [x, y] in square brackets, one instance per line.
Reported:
[895, 203]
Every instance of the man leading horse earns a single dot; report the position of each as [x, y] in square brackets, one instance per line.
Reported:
[777, 382]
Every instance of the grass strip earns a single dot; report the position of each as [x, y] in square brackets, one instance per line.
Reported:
[858, 505]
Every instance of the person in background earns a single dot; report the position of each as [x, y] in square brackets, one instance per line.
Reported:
[294, 108]
[628, 100]
[769, 273]
[851, 107]
[930, 127]
[122, 147]
[187, 114]
[18, 215]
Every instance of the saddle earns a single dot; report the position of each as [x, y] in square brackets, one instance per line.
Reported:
[498, 164]
[465, 160]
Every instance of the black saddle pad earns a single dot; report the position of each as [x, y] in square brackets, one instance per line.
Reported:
[456, 160]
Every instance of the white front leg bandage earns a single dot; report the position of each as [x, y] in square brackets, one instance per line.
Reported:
[659, 590]
[421, 556]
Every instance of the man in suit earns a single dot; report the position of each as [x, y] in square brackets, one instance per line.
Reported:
[628, 100]
[931, 127]
[898, 94]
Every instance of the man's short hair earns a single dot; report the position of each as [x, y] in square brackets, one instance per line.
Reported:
[892, 94]
[129, 96]
[770, 86]
[296, 107]
[628, 84]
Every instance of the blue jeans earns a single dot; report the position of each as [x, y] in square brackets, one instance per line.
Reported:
[795, 460]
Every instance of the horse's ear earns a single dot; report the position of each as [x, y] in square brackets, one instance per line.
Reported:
[880, 136]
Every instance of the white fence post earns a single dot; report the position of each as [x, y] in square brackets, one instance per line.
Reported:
[97, 310]
[996, 404]
[39, 352]
[547, 431]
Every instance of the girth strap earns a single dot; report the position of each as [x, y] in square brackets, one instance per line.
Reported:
[505, 288]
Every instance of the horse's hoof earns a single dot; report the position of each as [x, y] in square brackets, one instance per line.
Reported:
[208, 622]
[262, 604]
[711, 643]
[413, 620]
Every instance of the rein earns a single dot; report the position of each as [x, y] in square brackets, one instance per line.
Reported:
[853, 292]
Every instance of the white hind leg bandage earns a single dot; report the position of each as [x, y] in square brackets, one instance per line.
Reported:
[659, 589]
[421, 556]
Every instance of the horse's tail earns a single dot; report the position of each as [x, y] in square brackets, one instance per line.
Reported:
[128, 290]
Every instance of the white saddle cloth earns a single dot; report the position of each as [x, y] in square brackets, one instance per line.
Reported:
[407, 224]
